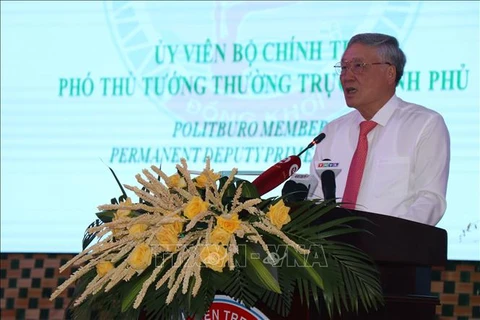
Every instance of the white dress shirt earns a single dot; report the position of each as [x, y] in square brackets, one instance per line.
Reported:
[407, 165]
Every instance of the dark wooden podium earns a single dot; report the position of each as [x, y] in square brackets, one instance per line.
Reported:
[404, 252]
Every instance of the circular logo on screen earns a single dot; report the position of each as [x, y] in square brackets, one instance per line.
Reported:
[225, 308]
[219, 60]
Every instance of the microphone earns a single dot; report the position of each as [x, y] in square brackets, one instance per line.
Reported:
[324, 165]
[282, 170]
[315, 141]
[328, 170]
[306, 180]
[294, 192]
[277, 174]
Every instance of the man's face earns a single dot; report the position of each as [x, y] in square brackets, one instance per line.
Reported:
[365, 85]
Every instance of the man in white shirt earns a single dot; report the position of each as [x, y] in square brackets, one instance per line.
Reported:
[406, 160]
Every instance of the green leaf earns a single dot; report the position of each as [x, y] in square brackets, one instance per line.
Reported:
[240, 287]
[300, 209]
[106, 216]
[124, 194]
[359, 278]
[89, 237]
[199, 304]
[304, 291]
[338, 232]
[221, 182]
[229, 192]
[282, 303]
[305, 220]
[338, 222]
[256, 266]
[305, 265]
[249, 191]
[137, 284]
[315, 298]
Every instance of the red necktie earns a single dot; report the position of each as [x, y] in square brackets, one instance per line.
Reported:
[355, 173]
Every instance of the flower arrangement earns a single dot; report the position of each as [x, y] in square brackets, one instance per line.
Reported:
[187, 239]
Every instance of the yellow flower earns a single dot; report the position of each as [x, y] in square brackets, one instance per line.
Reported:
[195, 206]
[176, 181]
[103, 267]
[141, 257]
[173, 227]
[278, 214]
[117, 233]
[137, 229]
[202, 180]
[230, 225]
[220, 236]
[177, 226]
[167, 238]
[214, 257]
[123, 213]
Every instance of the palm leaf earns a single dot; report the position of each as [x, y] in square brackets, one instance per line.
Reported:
[89, 237]
[281, 303]
[335, 232]
[249, 191]
[155, 307]
[303, 290]
[240, 288]
[200, 304]
[134, 289]
[358, 282]
[300, 210]
[124, 194]
[333, 289]
[257, 270]
[338, 222]
[351, 277]
[333, 226]
[106, 216]
[307, 268]
[309, 214]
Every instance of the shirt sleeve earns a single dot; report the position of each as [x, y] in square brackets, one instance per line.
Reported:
[432, 164]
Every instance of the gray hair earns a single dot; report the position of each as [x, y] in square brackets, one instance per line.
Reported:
[387, 47]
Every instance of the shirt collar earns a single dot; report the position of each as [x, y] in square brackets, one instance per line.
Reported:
[385, 113]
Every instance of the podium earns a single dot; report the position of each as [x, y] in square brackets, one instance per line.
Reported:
[404, 252]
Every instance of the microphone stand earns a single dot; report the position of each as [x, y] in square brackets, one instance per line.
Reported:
[315, 141]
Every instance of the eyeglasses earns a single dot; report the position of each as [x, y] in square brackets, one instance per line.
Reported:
[356, 67]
